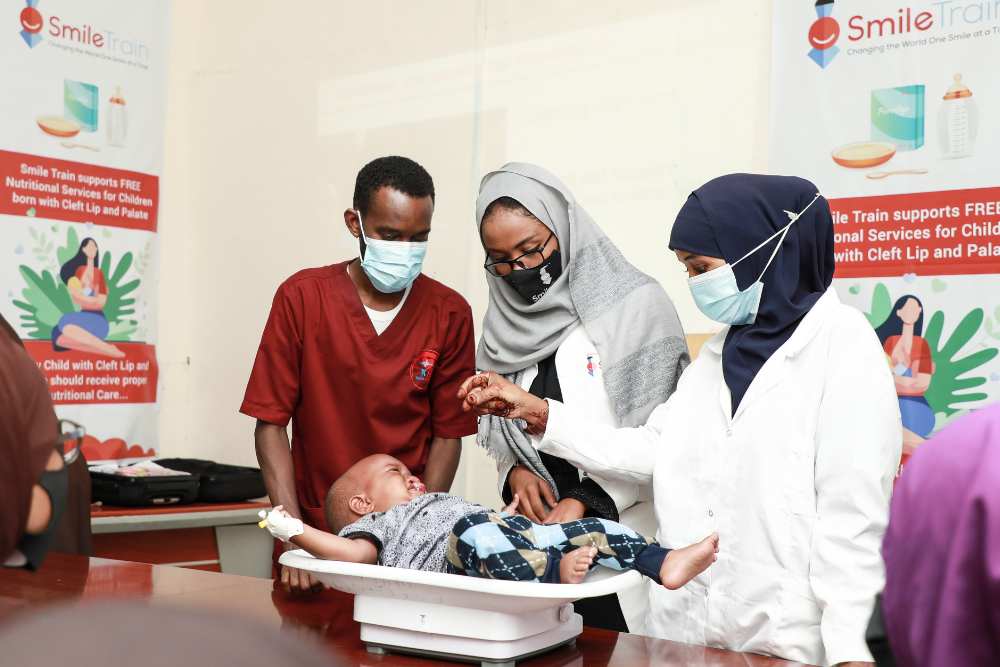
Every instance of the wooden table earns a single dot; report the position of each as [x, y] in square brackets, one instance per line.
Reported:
[328, 616]
[203, 536]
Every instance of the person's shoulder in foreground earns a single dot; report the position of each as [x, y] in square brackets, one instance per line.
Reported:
[942, 558]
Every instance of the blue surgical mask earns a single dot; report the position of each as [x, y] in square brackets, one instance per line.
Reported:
[718, 296]
[390, 265]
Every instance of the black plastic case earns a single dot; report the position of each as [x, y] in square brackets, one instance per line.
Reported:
[143, 491]
[219, 482]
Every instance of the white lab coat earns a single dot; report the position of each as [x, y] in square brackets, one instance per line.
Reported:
[797, 484]
[581, 380]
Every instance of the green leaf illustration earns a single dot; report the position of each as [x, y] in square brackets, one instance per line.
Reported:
[116, 306]
[947, 381]
[881, 306]
[72, 246]
[120, 331]
[47, 301]
[47, 298]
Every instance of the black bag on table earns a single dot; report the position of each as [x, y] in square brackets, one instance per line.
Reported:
[127, 491]
[219, 482]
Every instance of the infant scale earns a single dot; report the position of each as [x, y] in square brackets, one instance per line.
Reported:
[454, 617]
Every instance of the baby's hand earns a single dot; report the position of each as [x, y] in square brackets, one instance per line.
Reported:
[282, 525]
[511, 509]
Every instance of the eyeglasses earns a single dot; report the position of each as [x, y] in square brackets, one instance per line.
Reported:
[72, 433]
[528, 260]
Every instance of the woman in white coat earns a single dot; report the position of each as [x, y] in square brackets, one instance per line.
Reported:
[783, 436]
[569, 318]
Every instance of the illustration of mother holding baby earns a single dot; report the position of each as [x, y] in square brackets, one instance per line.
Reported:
[912, 368]
[85, 329]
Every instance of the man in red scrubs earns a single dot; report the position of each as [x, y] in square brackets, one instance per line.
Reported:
[364, 357]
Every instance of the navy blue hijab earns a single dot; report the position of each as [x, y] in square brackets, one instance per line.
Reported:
[730, 216]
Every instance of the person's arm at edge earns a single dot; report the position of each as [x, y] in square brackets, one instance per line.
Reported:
[442, 463]
[272, 392]
[855, 468]
[274, 455]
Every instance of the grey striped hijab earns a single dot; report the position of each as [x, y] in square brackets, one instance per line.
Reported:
[628, 315]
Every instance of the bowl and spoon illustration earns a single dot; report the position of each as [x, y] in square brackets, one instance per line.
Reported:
[59, 126]
[865, 154]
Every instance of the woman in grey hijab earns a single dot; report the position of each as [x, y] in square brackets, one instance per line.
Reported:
[570, 319]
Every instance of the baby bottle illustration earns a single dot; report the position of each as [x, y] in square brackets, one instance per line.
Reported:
[117, 120]
[958, 121]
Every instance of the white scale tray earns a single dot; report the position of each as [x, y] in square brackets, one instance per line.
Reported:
[467, 619]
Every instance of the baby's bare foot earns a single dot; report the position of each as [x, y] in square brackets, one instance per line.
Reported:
[575, 565]
[682, 565]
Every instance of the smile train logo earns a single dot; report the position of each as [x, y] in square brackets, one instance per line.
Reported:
[823, 34]
[31, 21]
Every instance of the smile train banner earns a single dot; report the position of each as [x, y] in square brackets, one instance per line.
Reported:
[891, 110]
[81, 153]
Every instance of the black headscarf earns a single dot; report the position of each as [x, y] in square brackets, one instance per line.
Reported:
[730, 216]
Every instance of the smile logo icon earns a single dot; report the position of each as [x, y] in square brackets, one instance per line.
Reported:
[31, 21]
[823, 34]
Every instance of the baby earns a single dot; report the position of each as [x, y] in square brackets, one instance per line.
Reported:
[381, 514]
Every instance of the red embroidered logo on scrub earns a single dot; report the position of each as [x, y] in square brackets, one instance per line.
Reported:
[422, 368]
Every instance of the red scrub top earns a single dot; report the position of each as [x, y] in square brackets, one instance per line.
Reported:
[351, 393]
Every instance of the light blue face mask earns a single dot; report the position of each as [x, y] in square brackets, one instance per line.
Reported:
[718, 296]
[390, 265]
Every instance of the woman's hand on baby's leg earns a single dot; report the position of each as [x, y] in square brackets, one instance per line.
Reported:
[575, 565]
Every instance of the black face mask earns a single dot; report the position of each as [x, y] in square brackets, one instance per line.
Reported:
[36, 547]
[532, 284]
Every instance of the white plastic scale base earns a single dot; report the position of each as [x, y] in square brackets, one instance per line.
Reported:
[452, 617]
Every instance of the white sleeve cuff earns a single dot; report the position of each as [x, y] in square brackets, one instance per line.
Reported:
[544, 441]
[843, 646]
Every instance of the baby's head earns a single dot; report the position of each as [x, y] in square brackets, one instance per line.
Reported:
[373, 484]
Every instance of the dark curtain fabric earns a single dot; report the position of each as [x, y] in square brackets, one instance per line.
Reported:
[730, 216]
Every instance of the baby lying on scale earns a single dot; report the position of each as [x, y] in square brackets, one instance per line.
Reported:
[382, 515]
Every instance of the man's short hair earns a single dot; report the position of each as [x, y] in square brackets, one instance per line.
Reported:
[398, 173]
[337, 505]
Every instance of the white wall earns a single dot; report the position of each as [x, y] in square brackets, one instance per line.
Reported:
[273, 110]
